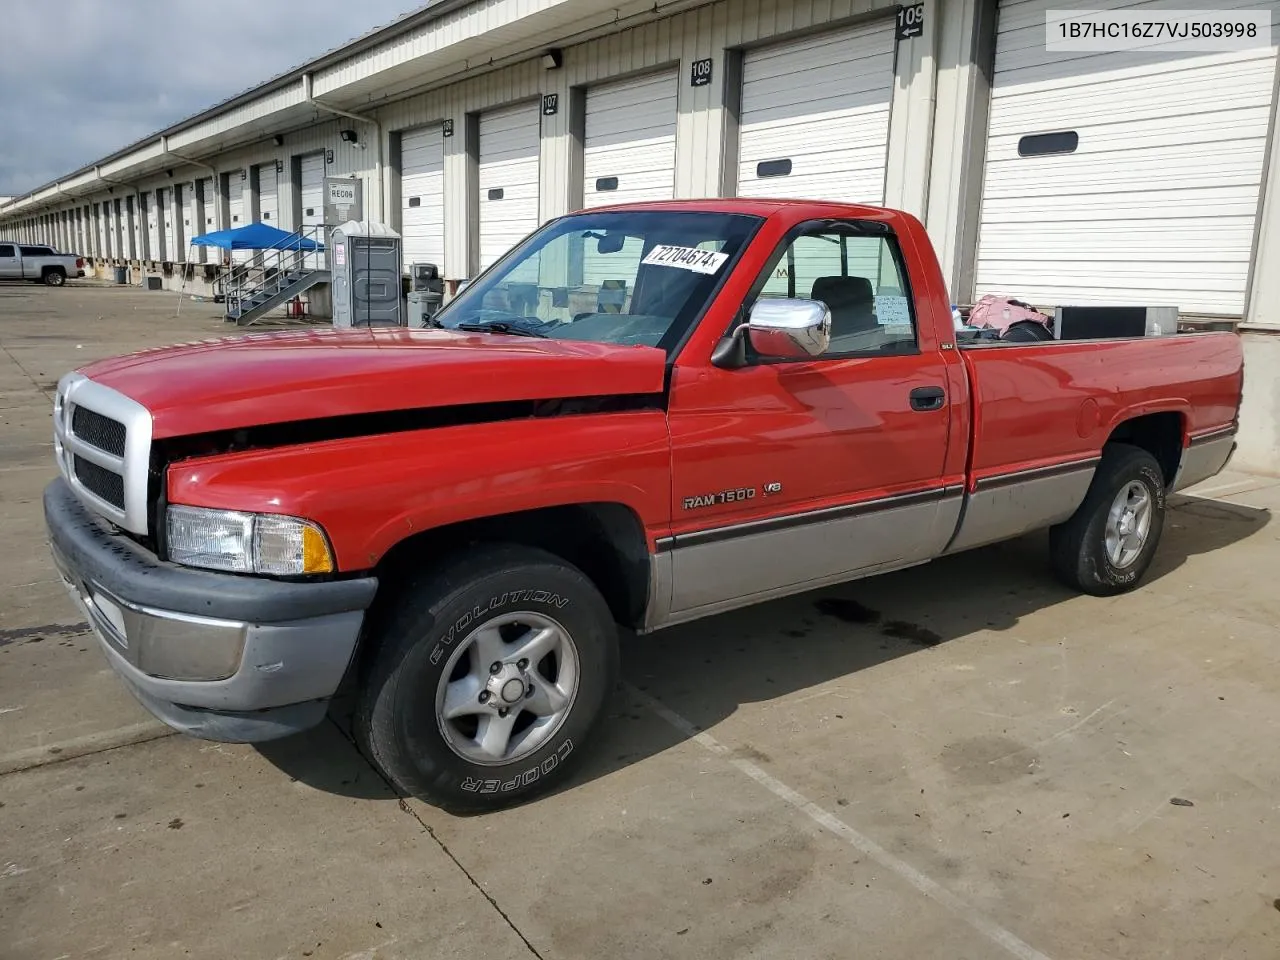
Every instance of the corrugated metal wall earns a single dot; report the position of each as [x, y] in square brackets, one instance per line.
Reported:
[673, 41]
[937, 118]
[703, 124]
[359, 159]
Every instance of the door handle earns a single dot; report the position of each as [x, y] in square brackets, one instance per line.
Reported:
[927, 398]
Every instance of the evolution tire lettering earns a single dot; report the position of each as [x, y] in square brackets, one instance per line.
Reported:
[472, 616]
[736, 495]
[471, 785]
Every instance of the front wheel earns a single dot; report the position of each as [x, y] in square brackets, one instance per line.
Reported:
[487, 678]
[1108, 543]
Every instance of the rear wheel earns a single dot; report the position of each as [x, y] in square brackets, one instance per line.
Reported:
[55, 277]
[487, 678]
[1109, 542]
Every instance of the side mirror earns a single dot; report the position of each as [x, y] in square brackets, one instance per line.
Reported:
[787, 329]
[611, 243]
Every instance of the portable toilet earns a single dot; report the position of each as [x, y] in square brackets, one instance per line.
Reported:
[364, 260]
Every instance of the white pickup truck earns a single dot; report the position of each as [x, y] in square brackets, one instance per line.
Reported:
[38, 263]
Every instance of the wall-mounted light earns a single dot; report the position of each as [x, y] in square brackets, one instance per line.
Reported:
[279, 166]
[552, 59]
[278, 140]
[348, 136]
[169, 174]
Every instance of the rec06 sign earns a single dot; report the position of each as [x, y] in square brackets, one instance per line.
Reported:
[343, 200]
[910, 22]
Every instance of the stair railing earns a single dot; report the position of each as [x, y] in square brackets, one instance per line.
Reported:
[267, 272]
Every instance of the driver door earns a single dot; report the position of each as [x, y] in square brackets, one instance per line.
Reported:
[10, 262]
[790, 474]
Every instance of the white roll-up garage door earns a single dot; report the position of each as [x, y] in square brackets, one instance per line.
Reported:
[268, 194]
[235, 202]
[1121, 178]
[235, 213]
[165, 214]
[151, 212]
[103, 216]
[210, 221]
[135, 235]
[313, 202]
[201, 217]
[629, 147]
[815, 116]
[508, 179]
[119, 230]
[422, 196]
[629, 154]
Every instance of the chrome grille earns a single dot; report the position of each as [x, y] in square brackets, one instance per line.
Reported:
[102, 432]
[102, 442]
[100, 481]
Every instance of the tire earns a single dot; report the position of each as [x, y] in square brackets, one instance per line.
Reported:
[1080, 549]
[482, 605]
[54, 277]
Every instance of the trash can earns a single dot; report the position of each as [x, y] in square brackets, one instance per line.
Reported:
[121, 274]
[423, 305]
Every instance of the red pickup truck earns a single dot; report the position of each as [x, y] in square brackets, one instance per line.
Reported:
[641, 415]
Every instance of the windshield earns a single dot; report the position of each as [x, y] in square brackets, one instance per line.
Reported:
[625, 278]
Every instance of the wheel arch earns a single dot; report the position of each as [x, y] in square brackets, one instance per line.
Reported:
[605, 540]
[1161, 433]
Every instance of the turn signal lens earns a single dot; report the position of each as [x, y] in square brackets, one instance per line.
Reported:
[316, 557]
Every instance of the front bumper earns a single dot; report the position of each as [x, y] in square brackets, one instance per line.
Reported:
[216, 655]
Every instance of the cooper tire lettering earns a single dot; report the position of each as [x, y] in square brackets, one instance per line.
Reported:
[532, 775]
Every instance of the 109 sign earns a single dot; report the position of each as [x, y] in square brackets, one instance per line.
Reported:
[910, 22]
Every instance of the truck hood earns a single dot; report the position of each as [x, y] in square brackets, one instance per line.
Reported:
[282, 377]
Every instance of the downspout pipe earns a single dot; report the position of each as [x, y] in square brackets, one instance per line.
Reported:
[377, 133]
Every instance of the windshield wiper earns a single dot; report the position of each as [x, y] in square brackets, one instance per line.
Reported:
[499, 326]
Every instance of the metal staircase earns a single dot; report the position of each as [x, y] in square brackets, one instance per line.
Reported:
[272, 277]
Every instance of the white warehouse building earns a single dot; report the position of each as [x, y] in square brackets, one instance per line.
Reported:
[1081, 178]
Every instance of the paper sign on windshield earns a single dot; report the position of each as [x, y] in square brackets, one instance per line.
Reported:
[686, 258]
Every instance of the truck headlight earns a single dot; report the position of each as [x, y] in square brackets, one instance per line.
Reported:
[246, 542]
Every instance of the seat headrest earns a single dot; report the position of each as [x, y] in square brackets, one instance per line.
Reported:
[838, 292]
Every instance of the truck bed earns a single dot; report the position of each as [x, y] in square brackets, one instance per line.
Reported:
[1041, 413]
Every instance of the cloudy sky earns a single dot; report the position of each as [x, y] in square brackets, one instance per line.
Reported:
[82, 78]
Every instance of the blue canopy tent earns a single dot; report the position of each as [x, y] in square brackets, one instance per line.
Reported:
[256, 236]
[253, 236]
